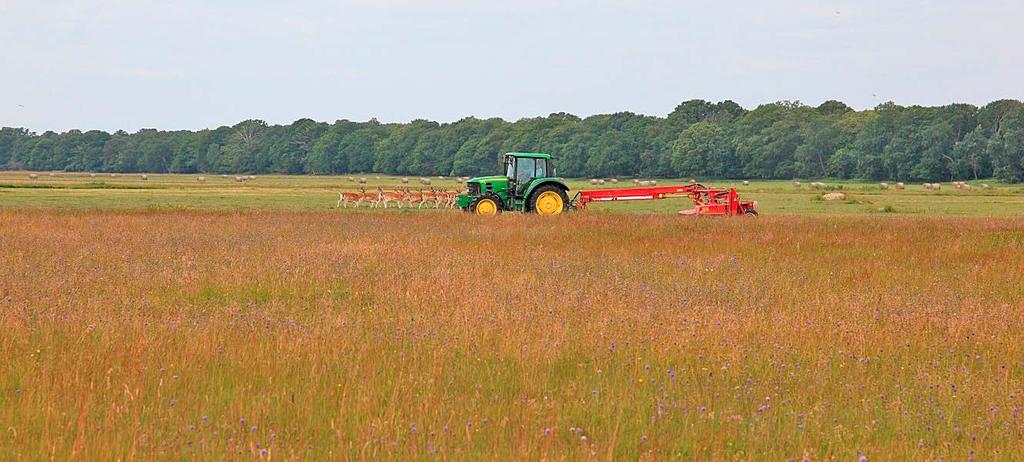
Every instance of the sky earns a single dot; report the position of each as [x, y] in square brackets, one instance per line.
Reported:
[191, 64]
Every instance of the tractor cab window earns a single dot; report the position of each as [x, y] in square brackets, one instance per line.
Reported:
[526, 170]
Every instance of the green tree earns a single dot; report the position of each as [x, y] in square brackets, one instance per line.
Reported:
[701, 150]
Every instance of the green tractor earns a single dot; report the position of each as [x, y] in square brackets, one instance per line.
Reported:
[529, 185]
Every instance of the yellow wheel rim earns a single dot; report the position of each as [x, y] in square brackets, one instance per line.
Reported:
[549, 203]
[486, 207]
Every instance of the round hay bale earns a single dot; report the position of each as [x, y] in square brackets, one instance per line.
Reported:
[833, 196]
[746, 183]
[615, 180]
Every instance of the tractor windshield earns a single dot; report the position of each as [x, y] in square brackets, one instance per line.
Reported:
[529, 168]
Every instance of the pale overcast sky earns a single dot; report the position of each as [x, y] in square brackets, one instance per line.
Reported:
[130, 64]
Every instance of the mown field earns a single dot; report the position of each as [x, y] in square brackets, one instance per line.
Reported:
[139, 335]
[74, 191]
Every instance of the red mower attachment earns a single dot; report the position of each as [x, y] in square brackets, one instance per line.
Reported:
[707, 201]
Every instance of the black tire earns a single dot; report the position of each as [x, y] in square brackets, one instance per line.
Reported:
[532, 202]
[750, 213]
[471, 208]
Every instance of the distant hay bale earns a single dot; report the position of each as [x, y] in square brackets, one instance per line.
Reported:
[796, 184]
[692, 180]
[985, 186]
[33, 176]
[239, 179]
[615, 180]
[362, 180]
[145, 177]
[201, 179]
[884, 186]
[92, 175]
[351, 179]
[405, 180]
[223, 175]
[636, 181]
[52, 174]
[593, 181]
[746, 183]
[936, 186]
[439, 177]
[833, 196]
[376, 177]
[600, 181]
[252, 177]
[643, 183]
[900, 185]
[654, 182]
[965, 187]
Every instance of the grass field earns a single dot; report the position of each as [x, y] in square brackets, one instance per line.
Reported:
[168, 319]
[175, 192]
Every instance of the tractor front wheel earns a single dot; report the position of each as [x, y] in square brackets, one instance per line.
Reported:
[485, 206]
[548, 200]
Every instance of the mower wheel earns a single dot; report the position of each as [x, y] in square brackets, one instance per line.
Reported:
[751, 213]
[485, 206]
[548, 200]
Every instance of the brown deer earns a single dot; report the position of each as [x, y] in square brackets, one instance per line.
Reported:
[345, 197]
[427, 197]
[373, 198]
[387, 197]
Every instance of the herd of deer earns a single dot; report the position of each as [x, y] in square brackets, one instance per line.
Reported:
[436, 198]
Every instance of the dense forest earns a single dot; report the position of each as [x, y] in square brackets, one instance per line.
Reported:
[698, 139]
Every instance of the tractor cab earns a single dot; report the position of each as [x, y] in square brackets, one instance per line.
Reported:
[529, 185]
[522, 170]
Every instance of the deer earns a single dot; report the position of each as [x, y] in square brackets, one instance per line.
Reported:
[450, 198]
[345, 197]
[387, 197]
[427, 197]
[372, 197]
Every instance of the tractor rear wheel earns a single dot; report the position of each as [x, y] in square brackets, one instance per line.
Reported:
[548, 200]
[485, 206]
[751, 213]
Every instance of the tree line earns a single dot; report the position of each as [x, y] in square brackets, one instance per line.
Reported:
[699, 139]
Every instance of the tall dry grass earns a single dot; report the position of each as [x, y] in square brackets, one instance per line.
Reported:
[368, 336]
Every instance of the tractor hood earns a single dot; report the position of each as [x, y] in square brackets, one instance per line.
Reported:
[488, 179]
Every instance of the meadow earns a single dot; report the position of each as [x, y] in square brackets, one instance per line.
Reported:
[78, 191]
[173, 320]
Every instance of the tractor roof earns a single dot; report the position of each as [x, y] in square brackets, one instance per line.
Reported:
[534, 155]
